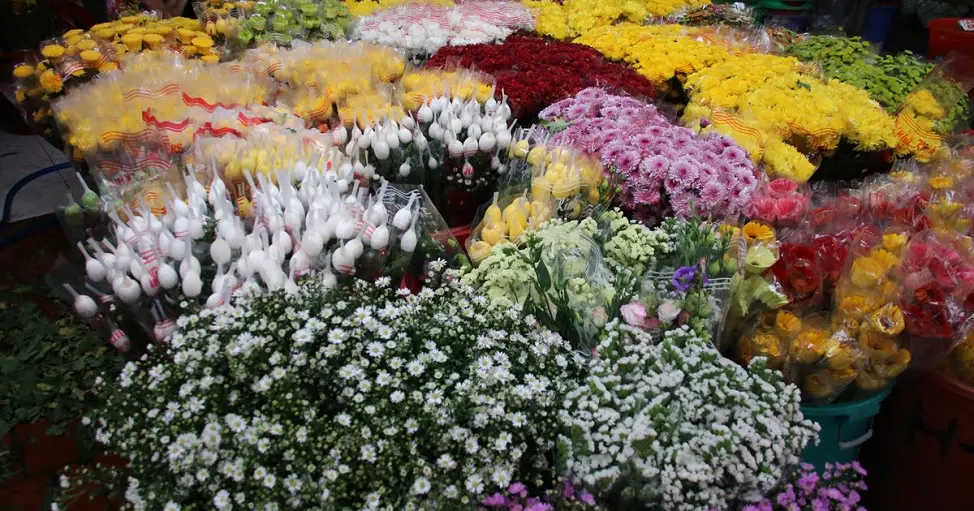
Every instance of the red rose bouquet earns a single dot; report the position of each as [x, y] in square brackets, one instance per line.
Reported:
[937, 300]
[535, 73]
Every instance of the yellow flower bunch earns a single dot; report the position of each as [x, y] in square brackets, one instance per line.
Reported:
[658, 52]
[559, 176]
[776, 110]
[826, 359]
[576, 18]
[101, 115]
[350, 76]
[360, 8]
[915, 126]
[771, 338]
[427, 84]
[80, 55]
[945, 208]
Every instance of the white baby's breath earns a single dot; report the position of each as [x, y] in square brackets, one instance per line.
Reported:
[401, 401]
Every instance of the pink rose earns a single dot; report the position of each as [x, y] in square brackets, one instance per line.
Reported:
[781, 187]
[599, 317]
[668, 311]
[763, 209]
[635, 314]
[789, 210]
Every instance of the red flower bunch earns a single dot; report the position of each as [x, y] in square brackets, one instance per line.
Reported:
[780, 203]
[535, 72]
[937, 298]
[901, 209]
[840, 209]
[833, 251]
[799, 271]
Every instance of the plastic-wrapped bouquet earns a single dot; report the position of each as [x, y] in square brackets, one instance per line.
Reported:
[541, 182]
[432, 400]
[660, 168]
[682, 423]
[691, 283]
[427, 27]
[572, 275]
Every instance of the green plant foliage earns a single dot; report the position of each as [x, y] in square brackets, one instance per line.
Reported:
[47, 368]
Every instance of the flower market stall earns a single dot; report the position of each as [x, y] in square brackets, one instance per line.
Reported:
[502, 255]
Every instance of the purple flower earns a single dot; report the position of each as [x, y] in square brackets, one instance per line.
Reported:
[656, 131]
[587, 498]
[575, 111]
[517, 489]
[538, 506]
[683, 278]
[820, 505]
[808, 481]
[591, 93]
[650, 196]
[568, 491]
[726, 141]
[734, 154]
[495, 500]
[628, 161]
[611, 154]
[711, 193]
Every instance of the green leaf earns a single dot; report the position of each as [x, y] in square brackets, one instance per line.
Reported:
[544, 278]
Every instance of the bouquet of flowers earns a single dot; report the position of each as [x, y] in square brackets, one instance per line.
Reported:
[937, 107]
[690, 284]
[754, 289]
[432, 399]
[661, 53]
[78, 56]
[865, 307]
[661, 169]
[572, 275]
[425, 28]
[682, 422]
[454, 144]
[541, 182]
[938, 277]
[780, 203]
[755, 98]
[535, 73]
[565, 19]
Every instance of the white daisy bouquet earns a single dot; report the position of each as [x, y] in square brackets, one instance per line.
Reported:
[671, 424]
[363, 397]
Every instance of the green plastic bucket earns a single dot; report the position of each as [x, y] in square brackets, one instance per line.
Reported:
[845, 427]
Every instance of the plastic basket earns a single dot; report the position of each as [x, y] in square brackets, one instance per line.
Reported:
[947, 36]
[845, 427]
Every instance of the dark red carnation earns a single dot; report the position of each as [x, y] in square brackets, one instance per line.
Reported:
[534, 72]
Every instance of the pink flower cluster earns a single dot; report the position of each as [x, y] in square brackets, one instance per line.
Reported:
[780, 203]
[661, 169]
